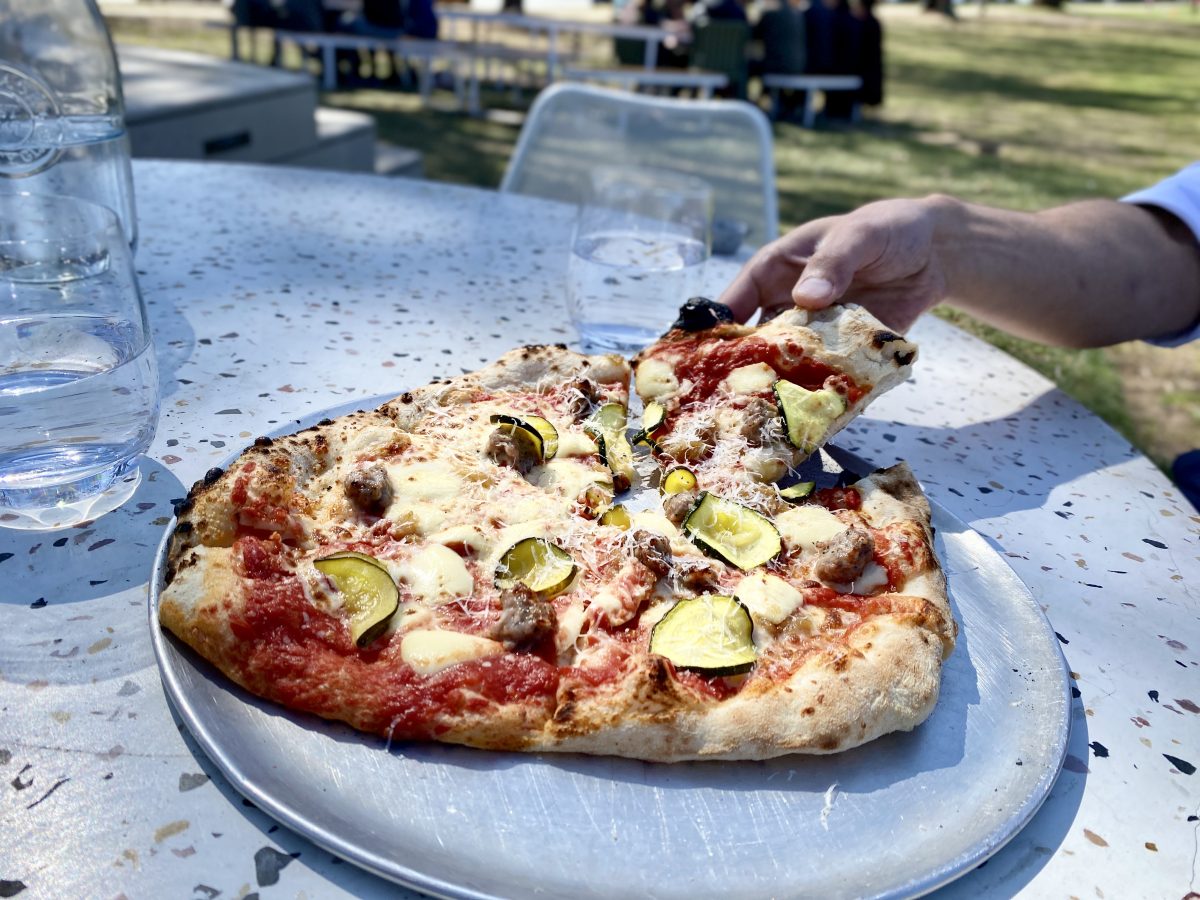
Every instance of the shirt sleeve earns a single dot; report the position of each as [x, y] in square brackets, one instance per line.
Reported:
[1179, 195]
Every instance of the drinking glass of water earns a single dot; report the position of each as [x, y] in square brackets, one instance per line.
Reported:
[78, 381]
[641, 241]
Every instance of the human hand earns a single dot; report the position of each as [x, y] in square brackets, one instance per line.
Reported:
[882, 256]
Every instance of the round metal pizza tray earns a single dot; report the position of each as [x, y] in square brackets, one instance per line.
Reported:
[895, 818]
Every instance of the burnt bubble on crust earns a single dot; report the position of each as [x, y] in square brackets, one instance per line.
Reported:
[905, 357]
[700, 313]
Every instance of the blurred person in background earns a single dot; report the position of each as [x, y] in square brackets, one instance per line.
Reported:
[870, 52]
[780, 32]
[720, 10]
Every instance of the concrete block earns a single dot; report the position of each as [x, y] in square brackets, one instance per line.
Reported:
[188, 106]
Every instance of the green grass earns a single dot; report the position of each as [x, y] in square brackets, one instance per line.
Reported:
[1019, 107]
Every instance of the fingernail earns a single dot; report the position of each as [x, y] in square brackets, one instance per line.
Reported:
[814, 288]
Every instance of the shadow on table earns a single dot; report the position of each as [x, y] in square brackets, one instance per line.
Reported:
[174, 339]
[75, 585]
[1014, 448]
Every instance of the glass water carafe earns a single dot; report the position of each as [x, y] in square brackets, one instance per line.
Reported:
[62, 116]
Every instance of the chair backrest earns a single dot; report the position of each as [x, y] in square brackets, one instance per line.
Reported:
[573, 128]
[720, 45]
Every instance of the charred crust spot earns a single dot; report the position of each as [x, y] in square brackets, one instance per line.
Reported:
[658, 673]
[325, 422]
[829, 742]
[700, 313]
[841, 664]
[263, 441]
[406, 397]
[183, 506]
[183, 528]
[565, 712]
[808, 711]
[212, 475]
[879, 338]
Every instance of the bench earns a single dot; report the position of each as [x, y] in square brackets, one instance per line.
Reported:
[424, 51]
[633, 78]
[809, 84]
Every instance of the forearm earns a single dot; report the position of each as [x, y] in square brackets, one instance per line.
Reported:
[1087, 274]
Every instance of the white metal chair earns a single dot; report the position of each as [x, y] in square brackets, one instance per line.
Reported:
[573, 128]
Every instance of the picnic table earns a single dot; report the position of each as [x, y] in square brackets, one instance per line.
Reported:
[275, 293]
[552, 28]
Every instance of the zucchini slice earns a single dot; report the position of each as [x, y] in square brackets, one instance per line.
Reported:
[679, 480]
[797, 491]
[807, 414]
[608, 419]
[548, 432]
[538, 564]
[525, 433]
[618, 516]
[731, 532]
[606, 426]
[712, 634]
[652, 419]
[367, 590]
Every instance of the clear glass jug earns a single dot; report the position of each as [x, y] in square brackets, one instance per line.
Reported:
[62, 116]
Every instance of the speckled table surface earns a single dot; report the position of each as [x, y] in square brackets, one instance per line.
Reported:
[274, 293]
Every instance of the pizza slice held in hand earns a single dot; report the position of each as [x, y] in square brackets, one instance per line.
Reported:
[738, 407]
[489, 561]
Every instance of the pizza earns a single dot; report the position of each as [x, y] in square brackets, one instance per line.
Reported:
[501, 560]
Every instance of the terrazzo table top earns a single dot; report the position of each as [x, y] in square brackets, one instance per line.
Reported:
[274, 293]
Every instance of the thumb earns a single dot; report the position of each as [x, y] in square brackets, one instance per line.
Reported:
[845, 250]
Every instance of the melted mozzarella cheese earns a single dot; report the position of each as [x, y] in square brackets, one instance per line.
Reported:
[425, 492]
[769, 598]
[572, 444]
[409, 616]
[462, 535]
[750, 379]
[807, 526]
[653, 520]
[436, 573]
[430, 650]
[874, 577]
[655, 378]
[432, 480]
[565, 478]
[570, 624]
